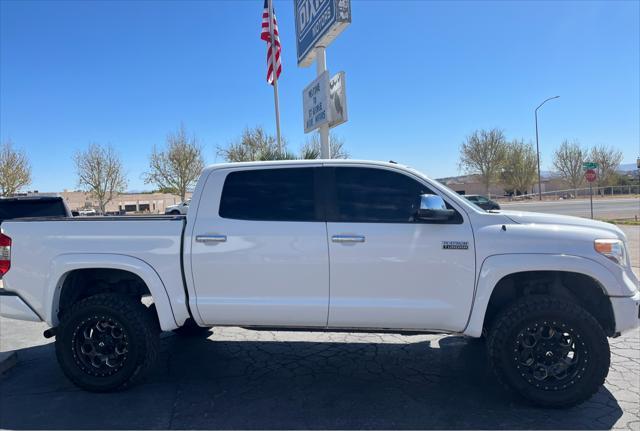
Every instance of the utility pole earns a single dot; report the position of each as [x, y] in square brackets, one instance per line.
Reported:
[321, 67]
[538, 147]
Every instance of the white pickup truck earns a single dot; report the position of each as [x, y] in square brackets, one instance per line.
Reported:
[328, 245]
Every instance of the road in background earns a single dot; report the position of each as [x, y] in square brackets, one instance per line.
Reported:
[615, 208]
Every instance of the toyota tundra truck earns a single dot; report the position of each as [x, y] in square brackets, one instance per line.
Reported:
[327, 246]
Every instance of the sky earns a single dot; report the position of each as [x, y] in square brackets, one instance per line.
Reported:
[420, 77]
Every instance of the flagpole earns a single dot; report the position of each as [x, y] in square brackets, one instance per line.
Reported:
[276, 99]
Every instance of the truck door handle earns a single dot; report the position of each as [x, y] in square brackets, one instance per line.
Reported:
[347, 238]
[211, 238]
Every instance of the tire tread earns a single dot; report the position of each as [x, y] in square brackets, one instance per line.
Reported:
[511, 316]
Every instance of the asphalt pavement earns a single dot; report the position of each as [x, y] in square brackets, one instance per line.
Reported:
[241, 379]
[603, 208]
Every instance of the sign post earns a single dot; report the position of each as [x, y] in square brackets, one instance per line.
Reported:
[321, 67]
[318, 23]
[590, 174]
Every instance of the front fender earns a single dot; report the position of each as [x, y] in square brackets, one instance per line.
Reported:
[496, 267]
[64, 264]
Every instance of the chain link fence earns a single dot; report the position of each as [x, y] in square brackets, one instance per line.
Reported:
[606, 191]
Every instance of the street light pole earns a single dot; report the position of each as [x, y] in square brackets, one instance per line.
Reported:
[538, 146]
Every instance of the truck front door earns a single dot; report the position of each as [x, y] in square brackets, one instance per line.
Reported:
[389, 269]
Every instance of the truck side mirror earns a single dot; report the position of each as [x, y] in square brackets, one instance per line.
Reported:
[433, 208]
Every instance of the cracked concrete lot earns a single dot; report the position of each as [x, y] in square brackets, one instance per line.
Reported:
[246, 379]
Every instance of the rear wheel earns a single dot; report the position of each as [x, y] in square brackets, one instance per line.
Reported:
[550, 351]
[106, 342]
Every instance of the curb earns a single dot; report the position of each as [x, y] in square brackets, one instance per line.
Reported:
[7, 361]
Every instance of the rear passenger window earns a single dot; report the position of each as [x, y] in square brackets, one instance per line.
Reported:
[270, 195]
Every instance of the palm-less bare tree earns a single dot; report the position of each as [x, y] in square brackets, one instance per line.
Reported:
[178, 167]
[15, 170]
[100, 173]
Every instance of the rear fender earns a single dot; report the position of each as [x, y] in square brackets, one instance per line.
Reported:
[64, 264]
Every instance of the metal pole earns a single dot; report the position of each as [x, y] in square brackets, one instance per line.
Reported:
[538, 155]
[591, 198]
[277, 103]
[538, 146]
[321, 67]
[276, 99]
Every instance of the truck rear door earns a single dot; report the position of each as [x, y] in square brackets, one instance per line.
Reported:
[259, 252]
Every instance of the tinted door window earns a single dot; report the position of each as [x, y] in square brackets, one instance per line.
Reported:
[375, 195]
[270, 195]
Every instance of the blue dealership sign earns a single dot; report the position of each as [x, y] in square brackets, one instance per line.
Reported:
[318, 22]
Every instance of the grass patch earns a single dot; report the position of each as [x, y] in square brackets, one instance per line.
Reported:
[626, 222]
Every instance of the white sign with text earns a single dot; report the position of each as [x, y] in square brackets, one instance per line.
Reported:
[315, 103]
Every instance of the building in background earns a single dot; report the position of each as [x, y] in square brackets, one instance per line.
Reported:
[128, 203]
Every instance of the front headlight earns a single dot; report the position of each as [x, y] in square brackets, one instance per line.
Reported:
[612, 249]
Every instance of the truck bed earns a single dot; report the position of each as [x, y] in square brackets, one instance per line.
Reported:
[100, 218]
[43, 249]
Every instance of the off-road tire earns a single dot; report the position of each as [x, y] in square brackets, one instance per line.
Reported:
[191, 329]
[135, 326]
[584, 330]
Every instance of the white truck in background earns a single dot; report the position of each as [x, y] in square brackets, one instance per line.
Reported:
[328, 245]
[178, 209]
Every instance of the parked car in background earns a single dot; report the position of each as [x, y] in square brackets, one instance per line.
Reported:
[90, 212]
[178, 209]
[33, 206]
[483, 202]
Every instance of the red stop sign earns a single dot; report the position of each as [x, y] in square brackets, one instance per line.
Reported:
[590, 175]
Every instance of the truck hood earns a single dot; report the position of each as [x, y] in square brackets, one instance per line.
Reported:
[523, 217]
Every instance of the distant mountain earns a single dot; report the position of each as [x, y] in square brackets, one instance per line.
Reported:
[626, 167]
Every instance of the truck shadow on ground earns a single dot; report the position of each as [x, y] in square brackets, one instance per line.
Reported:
[222, 384]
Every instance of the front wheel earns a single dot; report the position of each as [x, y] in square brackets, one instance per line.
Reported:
[550, 351]
[106, 342]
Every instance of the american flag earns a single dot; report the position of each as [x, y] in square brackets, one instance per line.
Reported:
[269, 17]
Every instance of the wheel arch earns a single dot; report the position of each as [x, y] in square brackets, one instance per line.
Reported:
[65, 267]
[505, 278]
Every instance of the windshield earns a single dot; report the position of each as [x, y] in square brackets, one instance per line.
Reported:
[10, 209]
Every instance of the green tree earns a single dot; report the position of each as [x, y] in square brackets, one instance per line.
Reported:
[311, 148]
[255, 144]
